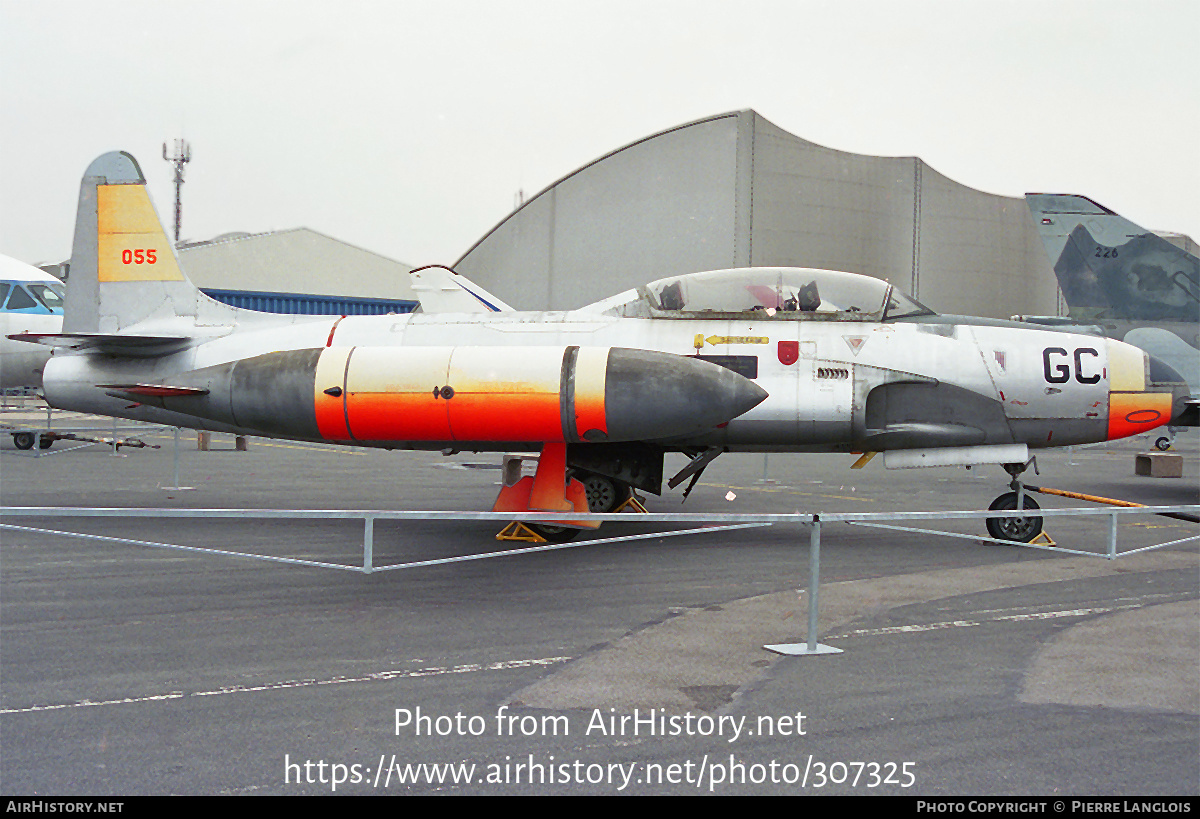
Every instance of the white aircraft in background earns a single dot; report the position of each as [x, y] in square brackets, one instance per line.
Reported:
[30, 302]
[441, 290]
[745, 360]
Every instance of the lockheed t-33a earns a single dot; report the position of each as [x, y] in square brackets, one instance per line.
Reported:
[744, 360]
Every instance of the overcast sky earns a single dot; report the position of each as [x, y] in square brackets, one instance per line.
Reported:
[407, 128]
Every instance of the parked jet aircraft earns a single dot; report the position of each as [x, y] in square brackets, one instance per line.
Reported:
[30, 302]
[1128, 282]
[758, 359]
[441, 290]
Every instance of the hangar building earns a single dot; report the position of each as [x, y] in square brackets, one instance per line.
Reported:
[735, 190]
[297, 271]
[291, 271]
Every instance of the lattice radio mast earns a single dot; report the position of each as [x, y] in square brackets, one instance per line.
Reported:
[183, 155]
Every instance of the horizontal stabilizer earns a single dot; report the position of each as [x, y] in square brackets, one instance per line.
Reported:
[123, 345]
[153, 390]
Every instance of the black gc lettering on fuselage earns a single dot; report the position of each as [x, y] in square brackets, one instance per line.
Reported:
[1058, 371]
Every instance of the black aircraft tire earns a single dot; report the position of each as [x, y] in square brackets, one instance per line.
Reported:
[1163, 444]
[23, 440]
[604, 494]
[1017, 529]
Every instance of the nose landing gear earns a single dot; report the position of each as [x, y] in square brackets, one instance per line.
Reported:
[1019, 528]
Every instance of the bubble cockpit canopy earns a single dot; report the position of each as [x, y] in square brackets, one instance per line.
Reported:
[782, 293]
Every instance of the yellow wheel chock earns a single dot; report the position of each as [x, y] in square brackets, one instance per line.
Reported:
[520, 532]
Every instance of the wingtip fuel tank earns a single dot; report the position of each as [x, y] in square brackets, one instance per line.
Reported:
[384, 396]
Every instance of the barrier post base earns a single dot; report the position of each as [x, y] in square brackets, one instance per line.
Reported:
[802, 649]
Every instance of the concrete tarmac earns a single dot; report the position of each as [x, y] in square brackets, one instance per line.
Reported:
[633, 667]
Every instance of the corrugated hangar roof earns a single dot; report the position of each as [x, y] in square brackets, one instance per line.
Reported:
[298, 260]
[735, 190]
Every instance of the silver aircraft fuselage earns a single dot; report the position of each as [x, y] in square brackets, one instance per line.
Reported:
[830, 385]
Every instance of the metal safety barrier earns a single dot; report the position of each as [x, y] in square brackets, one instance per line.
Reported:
[724, 522]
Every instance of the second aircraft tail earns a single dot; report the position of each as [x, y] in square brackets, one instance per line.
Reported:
[1109, 268]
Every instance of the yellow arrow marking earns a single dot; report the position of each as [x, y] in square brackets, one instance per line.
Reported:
[715, 340]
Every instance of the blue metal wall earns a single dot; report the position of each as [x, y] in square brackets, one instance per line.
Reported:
[309, 305]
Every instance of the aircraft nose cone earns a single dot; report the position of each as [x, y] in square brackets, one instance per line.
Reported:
[651, 395]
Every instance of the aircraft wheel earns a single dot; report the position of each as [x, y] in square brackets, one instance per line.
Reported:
[554, 534]
[23, 440]
[1018, 529]
[1163, 444]
[603, 493]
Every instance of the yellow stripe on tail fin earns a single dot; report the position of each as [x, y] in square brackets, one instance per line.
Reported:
[132, 243]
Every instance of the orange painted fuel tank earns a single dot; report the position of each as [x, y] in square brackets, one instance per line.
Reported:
[542, 394]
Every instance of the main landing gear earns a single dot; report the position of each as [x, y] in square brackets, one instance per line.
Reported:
[603, 494]
[1019, 528]
[556, 488]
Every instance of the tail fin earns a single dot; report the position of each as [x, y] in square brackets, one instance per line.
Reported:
[1109, 268]
[124, 269]
[441, 290]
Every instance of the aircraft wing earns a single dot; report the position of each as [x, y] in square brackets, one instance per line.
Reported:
[441, 290]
